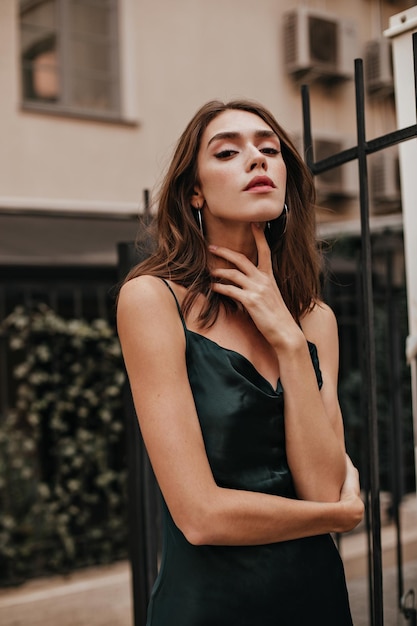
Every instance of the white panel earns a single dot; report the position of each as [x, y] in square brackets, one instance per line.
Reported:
[402, 26]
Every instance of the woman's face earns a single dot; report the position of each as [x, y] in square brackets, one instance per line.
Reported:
[242, 175]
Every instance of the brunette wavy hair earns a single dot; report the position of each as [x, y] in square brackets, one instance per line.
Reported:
[180, 250]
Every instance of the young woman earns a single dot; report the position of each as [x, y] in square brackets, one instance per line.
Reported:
[222, 329]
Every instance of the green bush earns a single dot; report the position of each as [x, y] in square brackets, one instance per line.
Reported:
[62, 442]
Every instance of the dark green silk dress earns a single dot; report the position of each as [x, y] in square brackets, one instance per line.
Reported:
[290, 583]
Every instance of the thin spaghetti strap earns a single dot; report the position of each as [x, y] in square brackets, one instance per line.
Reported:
[176, 302]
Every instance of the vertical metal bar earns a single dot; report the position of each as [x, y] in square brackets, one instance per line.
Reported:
[364, 457]
[146, 206]
[307, 137]
[395, 432]
[135, 452]
[377, 609]
[102, 308]
[396, 422]
[77, 301]
[4, 386]
[143, 496]
[53, 299]
[136, 530]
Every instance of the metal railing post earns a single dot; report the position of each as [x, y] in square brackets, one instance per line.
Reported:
[143, 494]
[377, 608]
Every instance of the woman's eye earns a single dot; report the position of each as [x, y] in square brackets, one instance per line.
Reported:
[270, 150]
[224, 154]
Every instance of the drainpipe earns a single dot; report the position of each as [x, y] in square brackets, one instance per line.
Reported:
[400, 31]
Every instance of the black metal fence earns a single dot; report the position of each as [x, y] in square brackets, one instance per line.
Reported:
[360, 153]
[86, 293]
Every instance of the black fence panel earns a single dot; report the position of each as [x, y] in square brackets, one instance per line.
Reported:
[360, 153]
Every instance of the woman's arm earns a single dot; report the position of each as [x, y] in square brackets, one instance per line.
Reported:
[320, 327]
[314, 441]
[313, 420]
[153, 344]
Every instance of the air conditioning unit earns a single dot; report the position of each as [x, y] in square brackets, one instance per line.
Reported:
[379, 78]
[385, 186]
[319, 46]
[340, 182]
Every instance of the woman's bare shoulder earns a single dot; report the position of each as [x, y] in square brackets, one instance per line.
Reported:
[144, 288]
[144, 292]
[319, 323]
[146, 301]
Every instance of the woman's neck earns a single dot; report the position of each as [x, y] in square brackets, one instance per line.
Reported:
[236, 239]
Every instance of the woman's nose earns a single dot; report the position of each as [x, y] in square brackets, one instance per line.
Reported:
[257, 159]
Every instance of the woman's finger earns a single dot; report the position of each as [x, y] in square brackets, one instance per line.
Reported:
[239, 260]
[264, 251]
[230, 275]
[229, 290]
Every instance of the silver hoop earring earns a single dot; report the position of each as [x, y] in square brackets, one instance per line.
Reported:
[200, 221]
[285, 212]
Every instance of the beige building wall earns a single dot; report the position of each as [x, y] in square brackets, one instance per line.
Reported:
[174, 56]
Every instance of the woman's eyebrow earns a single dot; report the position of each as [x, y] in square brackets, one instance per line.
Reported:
[259, 134]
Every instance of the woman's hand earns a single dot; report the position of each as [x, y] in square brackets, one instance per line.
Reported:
[256, 289]
[313, 431]
[350, 498]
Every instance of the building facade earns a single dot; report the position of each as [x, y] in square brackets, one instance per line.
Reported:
[96, 92]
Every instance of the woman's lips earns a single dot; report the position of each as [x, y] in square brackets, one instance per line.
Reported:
[260, 184]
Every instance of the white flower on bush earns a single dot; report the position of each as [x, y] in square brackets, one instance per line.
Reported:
[105, 415]
[43, 490]
[73, 485]
[43, 352]
[38, 377]
[16, 343]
